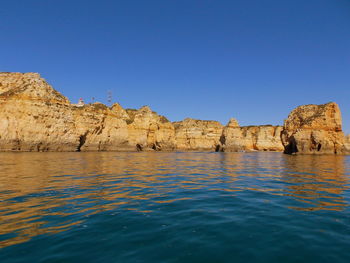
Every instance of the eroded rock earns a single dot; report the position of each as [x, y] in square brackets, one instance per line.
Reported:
[251, 138]
[35, 117]
[347, 144]
[191, 134]
[148, 130]
[314, 129]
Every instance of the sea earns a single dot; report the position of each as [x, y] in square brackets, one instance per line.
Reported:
[174, 207]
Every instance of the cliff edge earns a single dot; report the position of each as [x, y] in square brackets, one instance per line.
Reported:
[36, 117]
[251, 138]
[314, 129]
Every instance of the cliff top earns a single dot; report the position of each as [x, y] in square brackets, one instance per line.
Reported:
[194, 122]
[28, 86]
[324, 116]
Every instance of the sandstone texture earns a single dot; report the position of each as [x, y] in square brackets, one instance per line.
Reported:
[32, 114]
[251, 138]
[148, 130]
[314, 129]
[193, 134]
[35, 117]
[347, 144]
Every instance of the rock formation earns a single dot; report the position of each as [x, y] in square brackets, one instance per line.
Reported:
[314, 129]
[148, 130]
[193, 134]
[32, 115]
[251, 138]
[35, 117]
[347, 144]
[100, 128]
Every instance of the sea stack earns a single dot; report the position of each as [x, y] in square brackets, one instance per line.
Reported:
[314, 129]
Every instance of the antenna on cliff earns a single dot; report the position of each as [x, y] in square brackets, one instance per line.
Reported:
[109, 97]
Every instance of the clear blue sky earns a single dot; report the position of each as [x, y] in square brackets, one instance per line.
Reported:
[254, 60]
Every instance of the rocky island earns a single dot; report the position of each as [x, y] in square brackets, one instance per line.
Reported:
[36, 117]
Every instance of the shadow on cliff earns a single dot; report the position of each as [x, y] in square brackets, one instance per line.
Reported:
[291, 147]
[82, 140]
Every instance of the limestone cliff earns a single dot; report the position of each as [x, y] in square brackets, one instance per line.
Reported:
[100, 128]
[347, 144]
[35, 117]
[314, 129]
[251, 138]
[191, 134]
[148, 130]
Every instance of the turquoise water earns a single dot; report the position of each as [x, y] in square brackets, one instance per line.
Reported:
[174, 207]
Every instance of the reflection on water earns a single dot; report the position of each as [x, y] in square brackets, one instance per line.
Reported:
[46, 193]
[317, 181]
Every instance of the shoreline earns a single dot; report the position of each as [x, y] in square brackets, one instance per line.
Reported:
[36, 117]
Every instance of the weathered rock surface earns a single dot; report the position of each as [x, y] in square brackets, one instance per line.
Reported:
[148, 130]
[35, 117]
[315, 129]
[347, 144]
[32, 115]
[251, 138]
[100, 128]
[191, 134]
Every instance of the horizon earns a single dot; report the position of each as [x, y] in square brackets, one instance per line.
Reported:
[254, 62]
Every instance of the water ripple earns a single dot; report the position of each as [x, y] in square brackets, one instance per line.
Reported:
[170, 201]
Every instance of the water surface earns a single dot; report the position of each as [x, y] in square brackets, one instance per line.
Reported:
[174, 207]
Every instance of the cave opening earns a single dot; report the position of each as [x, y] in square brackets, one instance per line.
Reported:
[82, 140]
[138, 147]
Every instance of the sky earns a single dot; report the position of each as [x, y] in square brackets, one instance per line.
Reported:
[252, 60]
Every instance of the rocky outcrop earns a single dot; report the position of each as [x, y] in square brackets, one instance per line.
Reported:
[35, 117]
[148, 130]
[314, 129]
[347, 144]
[251, 138]
[100, 128]
[191, 134]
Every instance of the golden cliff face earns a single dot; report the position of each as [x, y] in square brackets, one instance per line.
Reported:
[35, 117]
[314, 129]
[193, 134]
[251, 138]
[347, 144]
[148, 130]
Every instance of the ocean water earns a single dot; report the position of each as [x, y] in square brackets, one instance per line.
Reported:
[174, 207]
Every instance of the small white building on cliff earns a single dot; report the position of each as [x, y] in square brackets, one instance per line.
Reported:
[80, 103]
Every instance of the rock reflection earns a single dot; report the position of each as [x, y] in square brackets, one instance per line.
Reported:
[317, 181]
[43, 193]
[62, 187]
